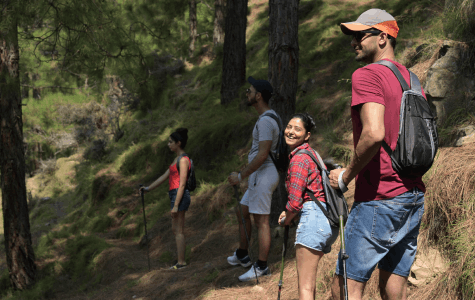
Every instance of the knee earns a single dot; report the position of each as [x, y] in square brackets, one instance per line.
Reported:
[307, 287]
[178, 231]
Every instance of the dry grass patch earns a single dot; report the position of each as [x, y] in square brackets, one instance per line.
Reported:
[448, 221]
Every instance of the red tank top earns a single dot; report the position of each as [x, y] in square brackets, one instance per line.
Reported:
[174, 178]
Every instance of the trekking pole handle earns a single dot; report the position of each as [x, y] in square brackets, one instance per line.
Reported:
[282, 221]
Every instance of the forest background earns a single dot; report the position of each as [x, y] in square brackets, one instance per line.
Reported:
[102, 84]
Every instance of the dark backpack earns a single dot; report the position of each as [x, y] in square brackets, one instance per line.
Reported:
[191, 180]
[281, 155]
[336, 202]
[418, 141]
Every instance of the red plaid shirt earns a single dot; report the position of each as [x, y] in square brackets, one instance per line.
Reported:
[303, 173]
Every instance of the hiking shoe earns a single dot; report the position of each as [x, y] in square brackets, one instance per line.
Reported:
[251, 274]
[234, 260]
[177, 266]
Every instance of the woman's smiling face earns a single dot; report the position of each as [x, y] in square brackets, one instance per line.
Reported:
[295, 133]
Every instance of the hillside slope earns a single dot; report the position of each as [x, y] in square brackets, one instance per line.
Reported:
[87, 218]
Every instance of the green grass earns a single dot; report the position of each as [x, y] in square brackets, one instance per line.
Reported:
[218, 134]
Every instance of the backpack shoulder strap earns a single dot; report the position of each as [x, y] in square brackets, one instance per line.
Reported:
[178, 161]
[415, 83]
[396, 72]
[318, 160]
[275, 117]
[320, 164]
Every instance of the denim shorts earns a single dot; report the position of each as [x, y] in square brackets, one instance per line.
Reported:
[383, 233]
[314, 230]
[185, 200]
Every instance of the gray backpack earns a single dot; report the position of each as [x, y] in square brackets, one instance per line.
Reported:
[418, 140]
[336, 202]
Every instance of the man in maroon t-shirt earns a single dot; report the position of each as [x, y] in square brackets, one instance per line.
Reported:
[383, 225]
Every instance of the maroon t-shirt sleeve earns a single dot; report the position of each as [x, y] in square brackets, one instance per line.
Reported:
[366, 87]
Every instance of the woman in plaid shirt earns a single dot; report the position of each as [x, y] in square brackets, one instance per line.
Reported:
[314, 235]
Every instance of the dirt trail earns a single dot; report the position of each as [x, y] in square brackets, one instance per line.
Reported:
[125, 274]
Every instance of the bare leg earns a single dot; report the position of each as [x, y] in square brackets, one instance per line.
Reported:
[178, 226]
[242, 238]
[307, 263]
[263, 227]
[355, 289]
[392, 286]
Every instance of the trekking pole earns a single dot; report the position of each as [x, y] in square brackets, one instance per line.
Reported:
[284, 250]
[236, 193]
[145, 225]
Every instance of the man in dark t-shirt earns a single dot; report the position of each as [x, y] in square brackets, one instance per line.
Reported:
[384, 221]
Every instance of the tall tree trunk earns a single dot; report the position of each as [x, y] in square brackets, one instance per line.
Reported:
[283, 72]
[219, 19]
[193, 27]
[234, 50]
[16, 224]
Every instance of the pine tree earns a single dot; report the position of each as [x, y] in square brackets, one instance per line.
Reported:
[234, 60]
[283, 55]
[87, 35]
[193, 27]
[18, 247]
[283, 72]
[219, 19]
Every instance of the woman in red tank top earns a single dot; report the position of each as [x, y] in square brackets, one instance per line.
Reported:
[179, 195]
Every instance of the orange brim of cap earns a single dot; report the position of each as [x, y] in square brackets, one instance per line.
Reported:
[390, 27]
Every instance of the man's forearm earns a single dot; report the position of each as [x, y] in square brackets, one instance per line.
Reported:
[254, 165]
[366, 149]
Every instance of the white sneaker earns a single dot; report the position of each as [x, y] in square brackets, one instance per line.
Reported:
[251, 274]
[234, 260]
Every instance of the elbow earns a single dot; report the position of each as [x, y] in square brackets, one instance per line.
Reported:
[375, 136]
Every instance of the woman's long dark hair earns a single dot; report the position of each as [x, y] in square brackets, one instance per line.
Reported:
[180, 135]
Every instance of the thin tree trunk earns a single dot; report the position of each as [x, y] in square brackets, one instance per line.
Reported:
[18, 247]
[193, 27]
[219, 19]
[234, 50]
[283, 72]
[25, 91]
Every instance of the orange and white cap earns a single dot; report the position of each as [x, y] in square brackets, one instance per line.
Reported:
[373, 18]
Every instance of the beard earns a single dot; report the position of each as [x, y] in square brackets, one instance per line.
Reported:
[365, 55]
[251, 102]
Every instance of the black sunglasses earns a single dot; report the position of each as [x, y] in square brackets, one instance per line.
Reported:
[359, 35]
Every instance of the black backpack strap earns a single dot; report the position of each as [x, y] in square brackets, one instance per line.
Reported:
[276, 118]
[178, 161]
[396, 72]
[312, 196]
[279, 124]
[387, 148]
